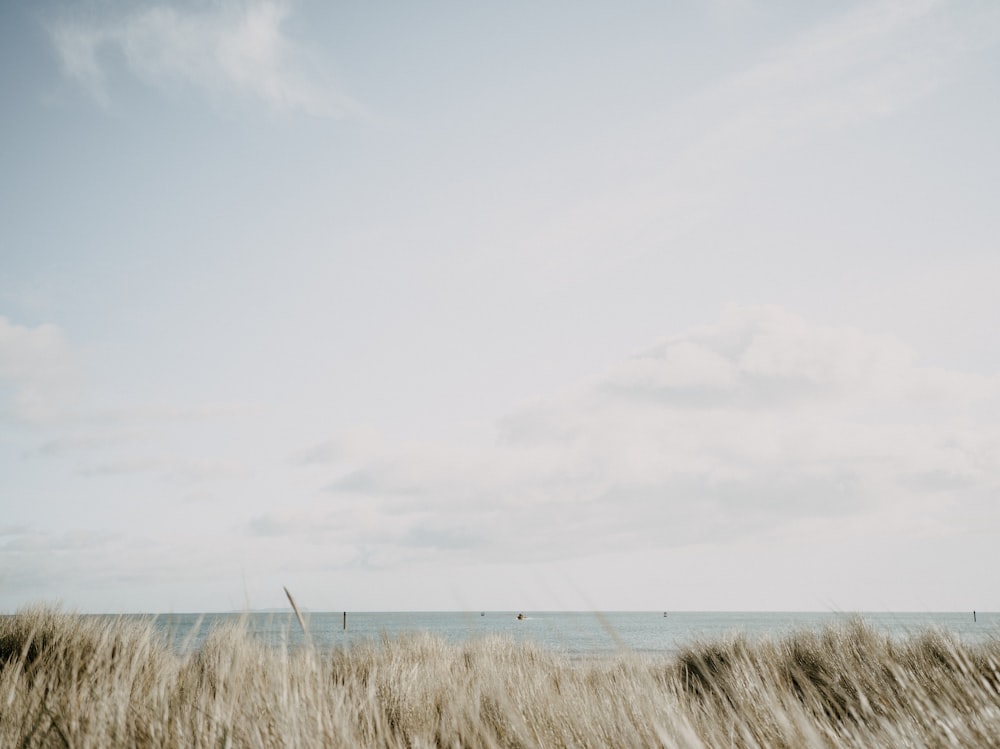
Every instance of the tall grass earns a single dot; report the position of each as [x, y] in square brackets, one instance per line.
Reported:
[75, 681]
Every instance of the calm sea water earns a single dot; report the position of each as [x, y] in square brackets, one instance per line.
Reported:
[576, 634]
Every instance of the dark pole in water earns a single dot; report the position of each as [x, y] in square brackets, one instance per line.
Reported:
[973, 616]
[345, 621]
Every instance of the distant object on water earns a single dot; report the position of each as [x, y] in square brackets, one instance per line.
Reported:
[520, 616]
[664, 614]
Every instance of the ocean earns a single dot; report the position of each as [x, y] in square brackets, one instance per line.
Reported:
[575, 634]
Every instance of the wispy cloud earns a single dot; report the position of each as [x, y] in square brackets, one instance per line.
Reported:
[77, 442]
[221, 49]
[50, 543]
[170, 468]
[872, 61]
[868, 63]
[43, 563]
[357, 445]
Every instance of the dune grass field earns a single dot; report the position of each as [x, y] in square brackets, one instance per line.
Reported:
[69, 680]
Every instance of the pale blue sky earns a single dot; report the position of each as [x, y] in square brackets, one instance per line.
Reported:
[621, 306]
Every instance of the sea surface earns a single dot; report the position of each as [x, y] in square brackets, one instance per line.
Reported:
[575, 634]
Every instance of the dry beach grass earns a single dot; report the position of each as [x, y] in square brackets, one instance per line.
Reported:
[76, 681]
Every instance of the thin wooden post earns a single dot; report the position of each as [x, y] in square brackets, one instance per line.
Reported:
[345, 621]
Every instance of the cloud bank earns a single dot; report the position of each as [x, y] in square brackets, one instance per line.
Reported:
[759, 424]
[759, 431]
[222, 49]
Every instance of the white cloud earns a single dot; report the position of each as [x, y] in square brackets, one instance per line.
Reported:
[678, 365]
[757, 423]
[31, 353]
[225, 48]
[37, 363]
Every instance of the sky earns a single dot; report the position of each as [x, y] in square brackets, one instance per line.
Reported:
[500, 306]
